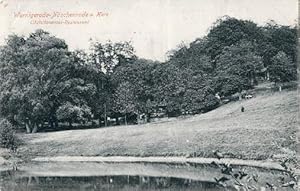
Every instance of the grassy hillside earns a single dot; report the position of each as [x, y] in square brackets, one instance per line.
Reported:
[267, 129]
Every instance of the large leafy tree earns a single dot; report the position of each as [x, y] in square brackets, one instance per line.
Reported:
[39, 75]
[125, 100]
[138, 74]
[278, 38]
[168, 88]
[236, 68]
[105, 58]
[195, 76]
[25, 61]
[228, 31]
[282, 68]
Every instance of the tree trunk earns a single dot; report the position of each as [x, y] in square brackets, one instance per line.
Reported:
[36, 178]
[105, 121]
[28, 130]
[125, 119]
[99, 121]
[105, 116]
[240, 96]
[35, 128]
[70, 124]
[117, 121]
[148, 117]
[29, 180]
[138, 119]
[280, 88]
[51, 124]
[55, 123]
[252, 81]
[268, 75]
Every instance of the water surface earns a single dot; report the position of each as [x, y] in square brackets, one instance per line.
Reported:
[92, 176]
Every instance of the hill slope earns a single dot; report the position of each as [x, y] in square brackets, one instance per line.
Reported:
[267, 129]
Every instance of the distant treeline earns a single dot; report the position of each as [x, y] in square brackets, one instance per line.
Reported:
[42, 82]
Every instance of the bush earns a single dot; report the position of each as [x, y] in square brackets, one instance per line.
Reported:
[8, 138]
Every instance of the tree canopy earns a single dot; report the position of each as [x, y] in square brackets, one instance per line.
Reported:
[43, 83]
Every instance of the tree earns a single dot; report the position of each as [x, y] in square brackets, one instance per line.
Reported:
[193, 57]
[8, 137]
[282, 69]
[228, 31]
[73, 113]
[278, 38]
[138, 74]
[110, 55]
[236, 68]
[105, 58]
[164, 87]
[39, 75]
[195, 75]
[26, 61]
[125, 100]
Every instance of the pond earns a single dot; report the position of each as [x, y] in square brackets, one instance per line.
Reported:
[67, 176]
[125, 182]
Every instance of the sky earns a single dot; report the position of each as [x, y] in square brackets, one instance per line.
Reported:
[153, 26]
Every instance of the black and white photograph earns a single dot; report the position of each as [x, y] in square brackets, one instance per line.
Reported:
[149, 95]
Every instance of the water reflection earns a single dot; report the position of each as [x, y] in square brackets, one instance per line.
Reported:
[14, 180]
[138, 176]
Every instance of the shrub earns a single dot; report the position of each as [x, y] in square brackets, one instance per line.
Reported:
[8, 137]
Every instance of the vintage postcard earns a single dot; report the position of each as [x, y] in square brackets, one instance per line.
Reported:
[149, 95]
